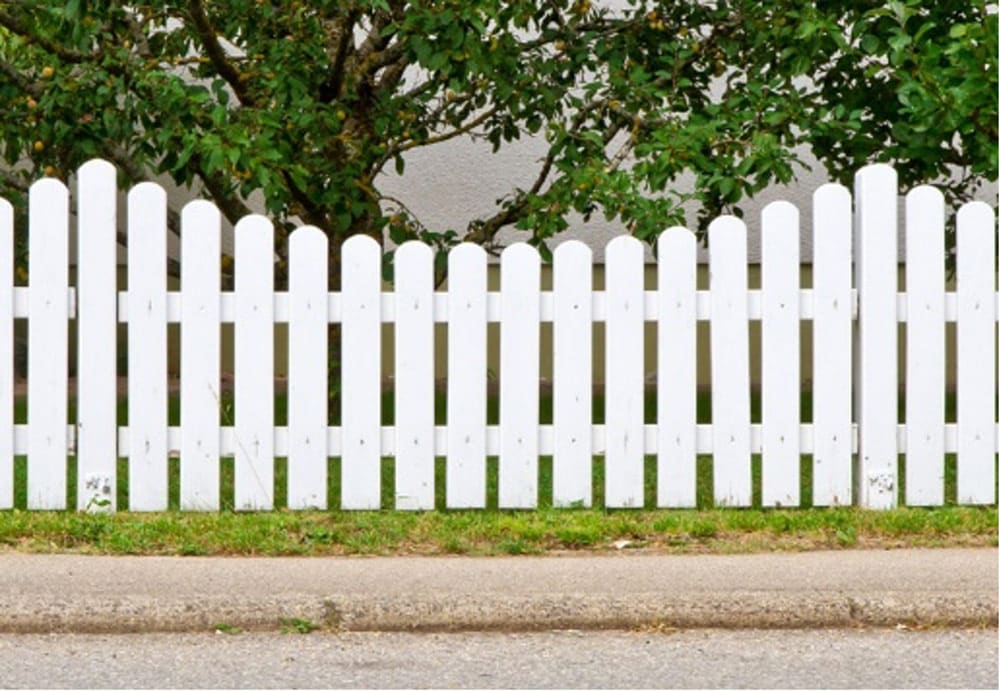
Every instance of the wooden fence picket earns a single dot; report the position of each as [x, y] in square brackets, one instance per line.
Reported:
[253, 362]
[308, 360]
[876, 385]
[414, 296]
[832, 341]
[6, 355]
[677, 374]
[147, 338]
[572, 336]
[780, 380]
[361, 374]
[48, 343]
[925, 347]
[730, 338]
[97, 325]
[201, 399]
[465, 479]
[520, 276]
[623, 403]
[976, 286]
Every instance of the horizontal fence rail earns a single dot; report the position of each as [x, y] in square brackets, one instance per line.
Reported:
[854, 439]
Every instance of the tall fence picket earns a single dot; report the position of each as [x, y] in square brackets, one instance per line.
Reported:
[201, 396]
[976, 277]
[361, 381]
[253, 361]
[832, 445]
[520, 276]
[465, 480]
[781, 382]
[147, 332]
[414, 294]
[97, 324]
[876, 386]
[730, 338]
[925, 347]
[48, 343]
[623, 403]
[677, 374]
[6, 355]
[572, 382]
[307, 369]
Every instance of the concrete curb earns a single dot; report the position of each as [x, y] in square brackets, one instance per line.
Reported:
[919, 588]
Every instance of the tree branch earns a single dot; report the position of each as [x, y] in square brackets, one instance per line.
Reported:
[214, 51]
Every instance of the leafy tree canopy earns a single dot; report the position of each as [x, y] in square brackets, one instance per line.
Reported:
[308, 102]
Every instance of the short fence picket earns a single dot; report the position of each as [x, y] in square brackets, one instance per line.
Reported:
[854, 446]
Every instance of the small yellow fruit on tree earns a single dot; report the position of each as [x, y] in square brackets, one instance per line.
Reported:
[39, 146]
[47, 72]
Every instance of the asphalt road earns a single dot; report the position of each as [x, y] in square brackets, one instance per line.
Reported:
[837, 658]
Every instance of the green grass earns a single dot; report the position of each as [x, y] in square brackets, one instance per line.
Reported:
[490, 531]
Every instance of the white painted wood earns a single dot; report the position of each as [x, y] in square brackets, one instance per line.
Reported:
[97, 324]
[623, 413]
[976, 288]
[465, 481]
[875, 337]
[730, 340]
[308, 399]
[925, 347]
[147, 340]
[48, 341]
[572, 336]
[6, 354]
[781, 383]
[832, 342]
[361, 381]
[414, 291]
[520, 276]
[253, 362]
[677, 349]
[200, 350]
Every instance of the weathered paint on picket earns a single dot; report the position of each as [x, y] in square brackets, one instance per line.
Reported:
[677, 374]
[976, 285]
[780, 355]
[48, 343]
[209, 429]
[201, 395]
[925, 347]
[308, 404]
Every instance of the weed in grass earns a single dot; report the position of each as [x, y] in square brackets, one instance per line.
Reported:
[228, 629]
[848, 537]
[703, 529]
[296, 625]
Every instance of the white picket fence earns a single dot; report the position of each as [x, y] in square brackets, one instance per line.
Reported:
[855, 454]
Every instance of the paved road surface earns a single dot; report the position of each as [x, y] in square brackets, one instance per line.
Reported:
[839, 658]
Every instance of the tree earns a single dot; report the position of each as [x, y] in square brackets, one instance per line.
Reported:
[308, 102]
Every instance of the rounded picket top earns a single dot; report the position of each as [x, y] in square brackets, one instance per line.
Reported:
[779, 214]
[47, 188]
[6, 212]
[573, 251]
[361, 244]
[831, 193]
[725, 227]
[624, 246]
[308, 240]
[253, 224]
[519, 252]
[414, 251]
[925, 194]
[466, 252]
[874, 184]
[97, 167]
[975, 217]
[200, 211]
[146, 193]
